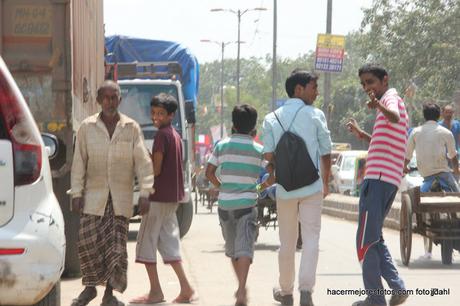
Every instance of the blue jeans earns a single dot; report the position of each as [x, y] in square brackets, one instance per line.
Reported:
[375, 200]
[446, 180]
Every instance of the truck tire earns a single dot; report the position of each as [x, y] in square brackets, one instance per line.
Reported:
[184, 215]
[72, 225]
[53, 298]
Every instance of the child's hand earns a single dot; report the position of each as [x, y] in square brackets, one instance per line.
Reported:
[374, 102]
[353, 127]
[144, 206]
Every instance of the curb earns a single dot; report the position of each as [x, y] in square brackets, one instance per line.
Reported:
[346, 207]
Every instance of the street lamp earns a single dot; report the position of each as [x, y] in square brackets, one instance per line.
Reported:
[222, 44]
[238, 13]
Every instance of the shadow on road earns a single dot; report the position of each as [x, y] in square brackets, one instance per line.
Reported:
[429, 264]
[266, 247]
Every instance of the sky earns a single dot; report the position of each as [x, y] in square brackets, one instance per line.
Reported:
[190, 21]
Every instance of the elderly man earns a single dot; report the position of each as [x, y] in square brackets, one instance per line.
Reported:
[109, 150]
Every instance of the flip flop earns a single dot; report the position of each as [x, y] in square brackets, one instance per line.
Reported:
[144, 300]
[190, 300]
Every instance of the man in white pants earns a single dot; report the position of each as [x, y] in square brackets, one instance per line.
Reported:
[302, 204]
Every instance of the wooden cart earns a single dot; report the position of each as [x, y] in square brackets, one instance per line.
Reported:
[436, 219]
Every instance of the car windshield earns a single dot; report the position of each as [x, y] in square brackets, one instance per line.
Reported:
[349, 163]
[135, 103]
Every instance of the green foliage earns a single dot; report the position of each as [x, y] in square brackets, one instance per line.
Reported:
[418, 41]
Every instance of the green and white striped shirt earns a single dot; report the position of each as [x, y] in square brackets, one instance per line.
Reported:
[240, 160]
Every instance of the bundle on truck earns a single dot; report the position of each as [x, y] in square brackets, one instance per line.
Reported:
[144, 68]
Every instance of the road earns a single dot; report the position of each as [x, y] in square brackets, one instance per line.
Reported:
[212, 277]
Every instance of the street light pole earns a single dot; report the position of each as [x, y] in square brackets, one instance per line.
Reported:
[327, 75]
[222, 92]
[238, 13]
[238, 60]
[222, 44]
[274, 56]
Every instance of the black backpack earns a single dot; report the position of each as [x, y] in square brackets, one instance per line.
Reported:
[294, 168]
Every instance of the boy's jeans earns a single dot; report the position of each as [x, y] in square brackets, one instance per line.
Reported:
[308, 211]
[446, 179]
[375, 200]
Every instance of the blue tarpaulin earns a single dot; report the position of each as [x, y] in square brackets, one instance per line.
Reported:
[124, 49]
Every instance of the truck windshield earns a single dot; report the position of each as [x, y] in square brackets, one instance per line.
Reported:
[135, 103]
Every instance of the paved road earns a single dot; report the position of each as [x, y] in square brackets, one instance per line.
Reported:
[211, 274]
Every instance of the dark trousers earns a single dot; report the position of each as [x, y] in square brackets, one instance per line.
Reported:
[376, 198]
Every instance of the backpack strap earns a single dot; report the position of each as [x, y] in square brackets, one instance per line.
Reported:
[279, 122]
[295, 115]
[293, 119]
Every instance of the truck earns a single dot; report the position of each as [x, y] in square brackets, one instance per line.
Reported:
[55, 52]
[144, 68]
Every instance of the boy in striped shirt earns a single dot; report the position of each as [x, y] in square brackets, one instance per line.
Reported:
[384, 170]
[240, 160]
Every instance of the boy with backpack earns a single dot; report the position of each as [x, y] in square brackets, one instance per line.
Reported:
[297, 144]
[240, 160]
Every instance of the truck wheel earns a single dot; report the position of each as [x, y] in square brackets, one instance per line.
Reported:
[53, 298]
[184, 215]
[72, 225]
[446, 252]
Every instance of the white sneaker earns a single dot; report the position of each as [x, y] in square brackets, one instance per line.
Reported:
[426, 256]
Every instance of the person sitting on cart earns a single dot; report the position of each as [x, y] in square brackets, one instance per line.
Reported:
[239, 159]
[265, 192]
[431, 141]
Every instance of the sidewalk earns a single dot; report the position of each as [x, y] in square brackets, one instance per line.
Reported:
[346, 207]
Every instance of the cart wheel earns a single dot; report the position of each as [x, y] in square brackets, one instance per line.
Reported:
[405, 231]
[446, 252]
[428, 244]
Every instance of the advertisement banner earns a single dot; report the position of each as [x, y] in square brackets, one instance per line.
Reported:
[330, 50]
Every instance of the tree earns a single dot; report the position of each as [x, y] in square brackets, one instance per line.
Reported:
[418, 41]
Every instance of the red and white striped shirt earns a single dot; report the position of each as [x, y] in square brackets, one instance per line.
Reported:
[385, 159]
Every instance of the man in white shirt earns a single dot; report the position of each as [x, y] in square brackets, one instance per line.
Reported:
[431, 142]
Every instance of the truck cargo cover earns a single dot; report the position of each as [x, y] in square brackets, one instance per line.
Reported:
[124, 49]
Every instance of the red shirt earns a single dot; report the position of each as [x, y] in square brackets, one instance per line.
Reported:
[169, 185]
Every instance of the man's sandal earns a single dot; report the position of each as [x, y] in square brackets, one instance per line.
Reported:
[112, 301]
[83, 299]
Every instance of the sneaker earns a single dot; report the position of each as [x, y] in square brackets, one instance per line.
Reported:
[398, 299]
[285, 300]
[426, 256]
[305, 298]
[365, 302]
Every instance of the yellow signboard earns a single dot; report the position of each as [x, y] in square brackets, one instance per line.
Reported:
[329, 52]
[331, 41]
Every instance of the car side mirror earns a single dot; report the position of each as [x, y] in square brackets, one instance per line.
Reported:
[190, 112]
[185, 150]
[51, 144]
[334, 169]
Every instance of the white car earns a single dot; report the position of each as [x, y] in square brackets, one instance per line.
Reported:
[413, 178]
[343, 171]
[32, 241]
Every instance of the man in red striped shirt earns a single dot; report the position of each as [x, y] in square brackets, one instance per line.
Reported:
[384, 170]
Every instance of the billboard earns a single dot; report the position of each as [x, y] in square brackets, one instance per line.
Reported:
[329, 52]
